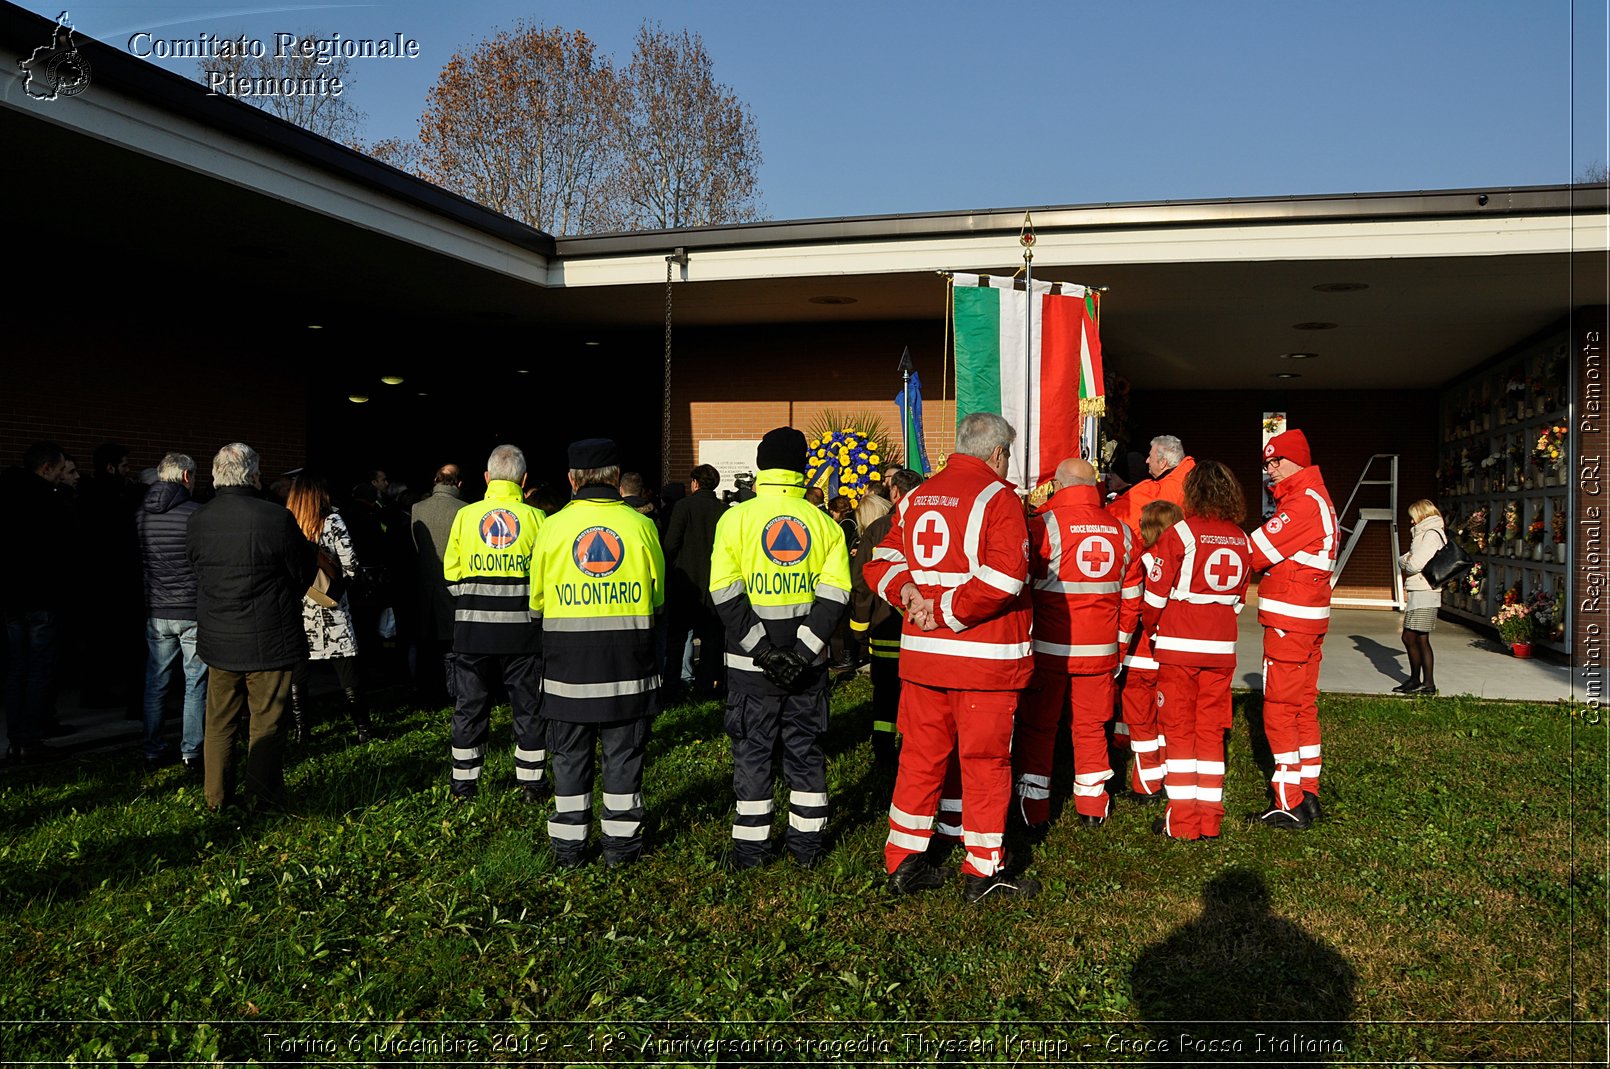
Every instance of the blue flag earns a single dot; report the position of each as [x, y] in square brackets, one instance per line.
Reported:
[910, 401]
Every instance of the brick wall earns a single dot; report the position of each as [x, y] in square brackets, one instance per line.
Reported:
[80, 386]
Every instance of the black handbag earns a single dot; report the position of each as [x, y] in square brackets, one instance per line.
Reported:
[1447, 564]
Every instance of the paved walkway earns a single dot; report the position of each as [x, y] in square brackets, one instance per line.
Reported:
[1363, 655]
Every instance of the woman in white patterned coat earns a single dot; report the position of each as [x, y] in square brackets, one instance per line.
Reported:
[331, 637]
[1422, 600]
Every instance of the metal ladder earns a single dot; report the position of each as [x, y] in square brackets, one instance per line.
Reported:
[1354, 533]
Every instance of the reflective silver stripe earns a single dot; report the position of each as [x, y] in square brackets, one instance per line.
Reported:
[741, 663]
[598, 623]
[1308, 751]
[1131, 592]
[472, 753]
[811, 798]
[1132, 661]
[1181, 765]
[1031, 792]
[728, 592]
[799, 823]
[950, 805]
[1327, 521]
[1053, 534]
[808, 639]
[467, 773]
[1087, 790]
[1301, 612]
[1209, 794]
[947, 605]
[1124, 637]
[1192, 598]
[986, 840]
[1006, 584]
[888, 554]
[1209, 768]
[975, 523]
[907, 841]
[952, 830]
[572, 803]
[1059, 650]
[758, 808]
[568, 832]
[1192, 645]
[1156, 600]
[910, 820]
[888, 577]
[955, 647]
[1059, 586]
[520, 589]
[618, 689]
[752, 833]
[782, 612]
[620, 829]
[1143, 745]
[830, 592]
[1318, 563]
[1261, 539]
[928, 577]
[489, 616]
[530, 755]
[527, 775]
[452, 589]
[1120, 728]
[622, 801]
[752, 639]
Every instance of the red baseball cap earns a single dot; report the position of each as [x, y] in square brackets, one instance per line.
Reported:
[1292, 445]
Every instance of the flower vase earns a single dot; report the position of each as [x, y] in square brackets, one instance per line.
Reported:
[1523, 650]
[1537, 551]
[1559, 553]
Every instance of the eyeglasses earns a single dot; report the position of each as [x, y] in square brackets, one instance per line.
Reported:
[1272, 462]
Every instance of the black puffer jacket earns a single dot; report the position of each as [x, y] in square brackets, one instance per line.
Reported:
[162, 521]
[252, 568]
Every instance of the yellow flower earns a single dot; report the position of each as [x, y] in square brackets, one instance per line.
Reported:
[821, 452]
[874, 458]
[860, 469]
[815, 442]
[875, 476]
[872, 446]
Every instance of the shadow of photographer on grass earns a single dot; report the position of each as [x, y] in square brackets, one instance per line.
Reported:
[1243, 984]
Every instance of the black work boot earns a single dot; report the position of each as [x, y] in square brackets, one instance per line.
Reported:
[999, 885]
[359, 714]
[916, 873]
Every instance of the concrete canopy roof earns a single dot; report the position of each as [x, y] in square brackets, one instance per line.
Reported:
[148, 197]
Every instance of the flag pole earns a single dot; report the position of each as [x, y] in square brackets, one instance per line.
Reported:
[905, 405]
[1026, 239]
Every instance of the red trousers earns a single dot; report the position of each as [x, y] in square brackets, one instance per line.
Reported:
[1193, 710]
[1140, 719]
[975, 725]
[1291, 711]
[1089, 699]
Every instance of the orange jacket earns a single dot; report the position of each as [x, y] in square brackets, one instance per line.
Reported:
[1170, 487]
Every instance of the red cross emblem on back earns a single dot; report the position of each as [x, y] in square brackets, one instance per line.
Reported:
[930, 539]
[1095, 557]
[1223, 570]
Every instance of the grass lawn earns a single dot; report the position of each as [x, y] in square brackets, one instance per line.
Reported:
[1451, 908]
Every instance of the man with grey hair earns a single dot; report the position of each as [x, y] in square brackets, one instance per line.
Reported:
[956, 560]
[487, 563]
[162, 524]
[1168, 466]
[431, 521]
[252, 566]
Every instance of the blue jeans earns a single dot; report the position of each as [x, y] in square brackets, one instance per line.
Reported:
[30, 665]
[165, 640]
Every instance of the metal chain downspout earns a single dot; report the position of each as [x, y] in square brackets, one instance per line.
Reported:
[665, 413]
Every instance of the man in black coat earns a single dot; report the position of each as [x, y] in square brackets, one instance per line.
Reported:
[252, 567]
[689, 539]
[31, 592]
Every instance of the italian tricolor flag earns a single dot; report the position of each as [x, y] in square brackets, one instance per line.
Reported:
[1043, 375]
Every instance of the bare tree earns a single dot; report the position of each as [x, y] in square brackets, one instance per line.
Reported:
[293, 82]
[687, 148]
[403, 155]
[1594, 174]
[521, 125]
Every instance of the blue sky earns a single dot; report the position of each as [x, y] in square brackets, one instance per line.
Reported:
[873, 107]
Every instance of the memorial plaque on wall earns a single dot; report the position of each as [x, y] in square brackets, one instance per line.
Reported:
[729, 456]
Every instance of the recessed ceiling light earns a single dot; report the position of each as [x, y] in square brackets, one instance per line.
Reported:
[1341, 287]
[358, 398]
[1285, 375]
[592, 344]
[315, 326]
[1299, 356]
[1313, 326]
[522, 371]
[422, 393]
[392, 380]
[832, 300]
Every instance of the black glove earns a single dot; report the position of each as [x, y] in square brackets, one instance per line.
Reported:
[783, 667]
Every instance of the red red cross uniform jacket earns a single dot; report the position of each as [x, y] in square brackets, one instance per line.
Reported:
[962, 539]
[1193, 593]
[1086, 587]
[1296, 549]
